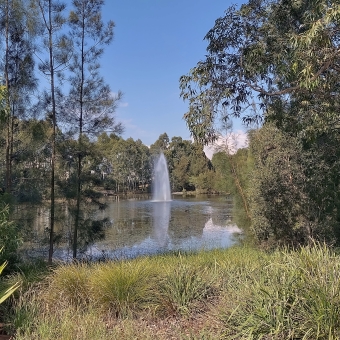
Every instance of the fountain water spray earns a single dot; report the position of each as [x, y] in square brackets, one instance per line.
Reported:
[161, 184]
[161, 195]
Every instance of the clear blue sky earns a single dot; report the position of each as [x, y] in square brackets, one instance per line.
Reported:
[156, 41]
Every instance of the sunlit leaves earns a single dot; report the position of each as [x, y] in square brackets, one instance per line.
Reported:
[258, 53]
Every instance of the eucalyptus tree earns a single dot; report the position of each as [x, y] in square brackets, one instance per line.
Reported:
[120, 164]
[178, 154]
[54, 57]
[265, 56]
[91, 104]
[186, 160]
[161, 144]
[143, 168]
[277, 61]
[137, 164]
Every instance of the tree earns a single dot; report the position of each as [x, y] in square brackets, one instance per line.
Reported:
[277, 62]
[143, 168]
[185, 161]
[90, 101]
[17, 67]
[32, 155]
[57, 48]
[267, 54]
[161, 144]
[277, 192]
[232, 176]
[205, 182]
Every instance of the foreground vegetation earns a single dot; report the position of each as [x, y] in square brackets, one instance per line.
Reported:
[236, 293]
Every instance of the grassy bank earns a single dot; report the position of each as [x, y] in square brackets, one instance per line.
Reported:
[238, 293]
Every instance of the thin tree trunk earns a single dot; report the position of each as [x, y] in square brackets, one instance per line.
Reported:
[8, 120]
[76, 222]
[79, 172]
[54, 122]
[239, 186]
[11, 149]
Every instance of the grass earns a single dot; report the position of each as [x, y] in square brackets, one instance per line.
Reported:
[238, 293]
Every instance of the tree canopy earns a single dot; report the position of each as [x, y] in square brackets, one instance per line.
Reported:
[263, 57]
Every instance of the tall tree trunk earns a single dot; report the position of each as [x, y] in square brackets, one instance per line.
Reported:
[8, 118]
[79, 172]
[54, 122]
[11, 151]
[239, 186]
[77, 217]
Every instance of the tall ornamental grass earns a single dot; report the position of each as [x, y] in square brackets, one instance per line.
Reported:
[123, 288]
[294, 296]
[238, 293]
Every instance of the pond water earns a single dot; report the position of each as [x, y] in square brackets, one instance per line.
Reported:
[142, 227]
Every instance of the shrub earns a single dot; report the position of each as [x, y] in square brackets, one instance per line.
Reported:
[295, 296]
[183, 287]
[124, 287]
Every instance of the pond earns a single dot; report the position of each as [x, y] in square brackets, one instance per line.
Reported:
[140, 226]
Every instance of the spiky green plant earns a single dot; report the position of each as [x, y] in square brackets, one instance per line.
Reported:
[296, 295]
[123, 287]
[8, 291]
[182, 287]
[70, 285]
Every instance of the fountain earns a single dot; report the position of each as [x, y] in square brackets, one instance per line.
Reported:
[161, 196]
[161, 184]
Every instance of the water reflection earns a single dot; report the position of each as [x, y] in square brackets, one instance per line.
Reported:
[160, 222]
[221, 234]
[184, 224]
[143, 227]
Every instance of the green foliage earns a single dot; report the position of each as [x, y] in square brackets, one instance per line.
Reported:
[266, 53]
[124, 288]
[276, 62]
[292, 193]
[182, 288]
[9, 238]
[126, 164]
[229, 168]
[277, 197]
[160, 145]
[30, 190]
[237, 293]
[233, 177]
[205, 182]
[224, 180]
[8, 291]
[186, 161]
[295, 296]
